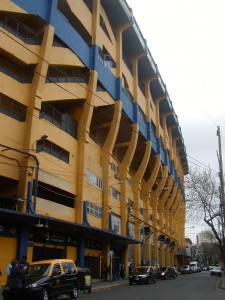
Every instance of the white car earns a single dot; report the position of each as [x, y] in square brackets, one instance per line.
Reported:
[216, 271]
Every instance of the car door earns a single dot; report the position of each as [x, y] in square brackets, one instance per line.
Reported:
[57, 287]
[70, 275]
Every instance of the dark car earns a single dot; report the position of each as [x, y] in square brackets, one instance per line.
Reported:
[165, 273]
[52, 278]
[143, 274]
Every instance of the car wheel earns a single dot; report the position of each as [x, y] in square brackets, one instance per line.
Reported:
[74, 293]
[130, 282]
[44, 294]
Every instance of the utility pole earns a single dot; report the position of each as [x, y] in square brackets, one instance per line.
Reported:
[222, 197]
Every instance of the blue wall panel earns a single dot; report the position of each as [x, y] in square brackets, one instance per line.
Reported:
[107, 79]
[40, 8]
[127, 106]
[71, 38]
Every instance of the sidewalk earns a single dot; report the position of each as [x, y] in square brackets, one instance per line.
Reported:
[108, 284]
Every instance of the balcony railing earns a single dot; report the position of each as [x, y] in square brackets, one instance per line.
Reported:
[19, 73]
[63, 121]
[66, 75]
[106, 59]
[20, 30]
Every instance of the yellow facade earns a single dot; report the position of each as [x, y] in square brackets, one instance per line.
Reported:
[91, 150]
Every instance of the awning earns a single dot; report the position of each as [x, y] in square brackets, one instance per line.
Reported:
[33, 219]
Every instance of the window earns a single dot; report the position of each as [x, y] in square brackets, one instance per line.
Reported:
[56, 270]
[53, 149]
[12, 108]
[94, 179]
[114, 193]
[68, 268]
[130, 203]
[142, 211]
[114, 168]
[94, 210]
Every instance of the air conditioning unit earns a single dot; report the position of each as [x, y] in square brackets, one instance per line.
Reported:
[117, 176]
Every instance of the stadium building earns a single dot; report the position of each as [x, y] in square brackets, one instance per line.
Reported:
[92, 158]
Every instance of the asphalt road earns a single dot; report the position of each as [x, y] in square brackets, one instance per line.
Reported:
[197, 286]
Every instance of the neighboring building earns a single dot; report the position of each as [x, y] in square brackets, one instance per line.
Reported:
[91, 148]
[204, 237]
[189, 248]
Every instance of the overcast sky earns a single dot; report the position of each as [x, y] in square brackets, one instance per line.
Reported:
[187, 41]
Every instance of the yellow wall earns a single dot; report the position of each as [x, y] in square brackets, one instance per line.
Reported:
[7, 254]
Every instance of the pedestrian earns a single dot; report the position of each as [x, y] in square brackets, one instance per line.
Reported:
[105, 272]
[15, 281]
[24, 265]
[122, 272]
[129, 268]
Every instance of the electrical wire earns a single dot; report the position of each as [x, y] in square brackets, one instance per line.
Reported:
[66, 90]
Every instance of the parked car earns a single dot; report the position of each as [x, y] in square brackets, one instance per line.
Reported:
[186, 269]
[165, 273]
[216, 271]
[52, 278]
[143, 274]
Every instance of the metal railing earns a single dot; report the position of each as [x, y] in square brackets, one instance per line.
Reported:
[20, 30]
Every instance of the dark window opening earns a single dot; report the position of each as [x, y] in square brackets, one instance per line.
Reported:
[12, 108]
[54, 194]
[64, 8]
[63, 121]
[89, 4]
[23, 74]
[53, 149]
[57, 42]
[67, 75]
[104, 28]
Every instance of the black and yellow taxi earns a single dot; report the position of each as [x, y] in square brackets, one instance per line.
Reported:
[48, 279]
[142, 274]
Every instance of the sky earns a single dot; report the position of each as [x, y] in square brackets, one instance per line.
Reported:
[187, 41]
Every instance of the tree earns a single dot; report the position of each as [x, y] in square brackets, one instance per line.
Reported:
[203, 202]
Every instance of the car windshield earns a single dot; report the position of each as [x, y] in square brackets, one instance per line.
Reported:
[39, 270]
[142, 270]
[163, 269]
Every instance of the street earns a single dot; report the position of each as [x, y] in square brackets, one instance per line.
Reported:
[197, 286]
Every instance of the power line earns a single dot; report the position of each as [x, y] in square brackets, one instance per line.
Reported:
[59, 86]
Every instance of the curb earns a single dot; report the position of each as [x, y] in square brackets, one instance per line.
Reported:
[108, 286]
